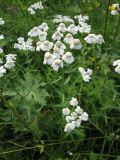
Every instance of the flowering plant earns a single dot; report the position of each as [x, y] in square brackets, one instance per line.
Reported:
[59, 80]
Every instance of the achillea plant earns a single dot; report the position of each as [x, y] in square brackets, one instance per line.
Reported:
[59, 80]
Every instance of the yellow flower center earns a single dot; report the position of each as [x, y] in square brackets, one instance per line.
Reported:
[112, 8]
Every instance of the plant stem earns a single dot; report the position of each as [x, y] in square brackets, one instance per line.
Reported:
[106, 19]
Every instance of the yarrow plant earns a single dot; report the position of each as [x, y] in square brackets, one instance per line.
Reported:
[62, 19]
[10, 58]
[59, 56]
[58, 50]
[37, 6]
[85, 74]
[94, 39]
[74, 116]
[24, 45]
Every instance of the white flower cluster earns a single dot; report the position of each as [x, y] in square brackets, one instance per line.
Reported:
[10, 60]
[115, 9]
[81, 18]
[85, 74]
[1, 21]
[117, 65]
[24, 45]
[10, 63]
[94, 39]
[62, 19]
[75, 117]
[56, 52]
[83, 26]
[34, 7]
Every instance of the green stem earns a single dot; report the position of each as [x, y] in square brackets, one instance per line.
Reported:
[106, 19]
[114, 39]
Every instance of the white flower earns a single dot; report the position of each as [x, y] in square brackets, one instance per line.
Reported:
[73, 124]
[69, 127]
[115, 8]
[94, 39]
[20, 40]
[60, 45]
[24, 45]
[38, 46]
[81, 18]
[44, 27]
[61, 19]
[76, 44]
[57, 63]
[100, 39]
[73, 29]
[31, 11]
[66, 111]
[58, 52]
[1, 37]
[78, 123]
[10, 60]
[48, 58]
[79, 110]
[35, 7]
[85, 29]
[89, 71]
[57, 36]
[86, 78]
[91, 39]
[85, 74]
[1, 21]
[68, 58]
[84, 116]
[73, 102]
[67, 19]
[117, 69]
[35, 31]
[117, 62]
[11, 57]
[9, 65]
[61, 28]
[74, 116]
[2, 71]
[115, 12]
[42, 36]
[68, 38]
[68, 119]
[46, 46]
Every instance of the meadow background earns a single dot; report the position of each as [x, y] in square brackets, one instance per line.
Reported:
[32, 126]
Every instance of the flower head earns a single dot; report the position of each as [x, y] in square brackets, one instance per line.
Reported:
[48, 58]
[57, 63]
[57, 36]
[68, 57]
[46, 46]
[76, 44]
[73, 102]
